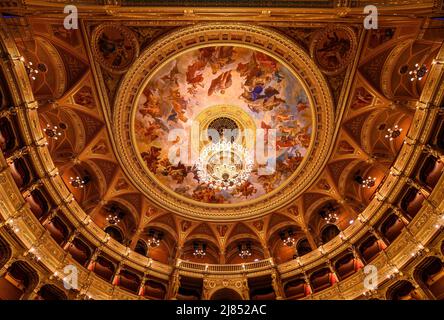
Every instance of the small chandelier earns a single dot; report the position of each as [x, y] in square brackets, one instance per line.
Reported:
[29, 67]
[199, 249]
[154, 238]
[287, 237]
[244, 250]
[393, 133]
[114, 216]
[329, 214]
[419, 72]
[52, 131]
[78, 182]
[224, 165]
[368, 183]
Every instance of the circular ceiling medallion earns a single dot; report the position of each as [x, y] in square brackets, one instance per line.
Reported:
[114, 47]
[223, 122]
[333, 49]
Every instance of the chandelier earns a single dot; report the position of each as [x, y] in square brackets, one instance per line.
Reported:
[244, 250]
[287, 237]
[419, 72]
[368, 183]
[115, 215]
[154, 238]
[29, 67]
[224, 165]
[113, 218]
[79, 182]
[52, 131]
[329, 214]
[393, 133]
[199, 249]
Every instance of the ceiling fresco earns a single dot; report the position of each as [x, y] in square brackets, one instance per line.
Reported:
[260, 88]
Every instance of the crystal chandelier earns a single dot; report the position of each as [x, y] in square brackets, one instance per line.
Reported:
[329, 214]
[419, 72]
[287, 237]
[199, 249]
[114, 216]
[224, 165]
[29, 67]
[393, 133]
[78, 182]
[368, 183]
[52, 131]
[154, 238]
[244, 250]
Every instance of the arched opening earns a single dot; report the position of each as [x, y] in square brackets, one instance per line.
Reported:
[141, 248]
[7, 136]
[347, 265]
[411, 203]
[49, 292]
[115, 233]
[403, 290]
[226, 294]
[296, 289]
[303, 247]
[392, 227]
[58, 230]
[104, 268]
[431, 171]
[322, 279]
[20, 173]
[129, 281]
[329, 232]
[370, 248]
[38, 204]
[18, 280]
[79, 251]
[431, 274]
[154, 290]
[5, 252]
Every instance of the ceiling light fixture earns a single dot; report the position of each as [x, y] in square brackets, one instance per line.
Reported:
[368, 183]
[224, 165]
[52, 131]
[154, 238]
[419, 72]
[244, 250]
[393, 133]
[200, 249]
[79, 182]
[287, 237]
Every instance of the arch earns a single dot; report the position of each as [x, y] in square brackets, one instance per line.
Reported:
[19, 280]
[430, 276]
[79, 251]
[430, 171]
[403, 290]
[8, 140]
[329, 232]
[115, 232]
[303, 247]
[391, 227]
[141, 247]
[50, 292]
[58, 230]
[5, 252]
[226, 294]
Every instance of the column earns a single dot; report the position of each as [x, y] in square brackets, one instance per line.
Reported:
[276, 284]
[174, 285]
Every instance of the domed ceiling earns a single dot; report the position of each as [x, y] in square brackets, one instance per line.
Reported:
[229, 94]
